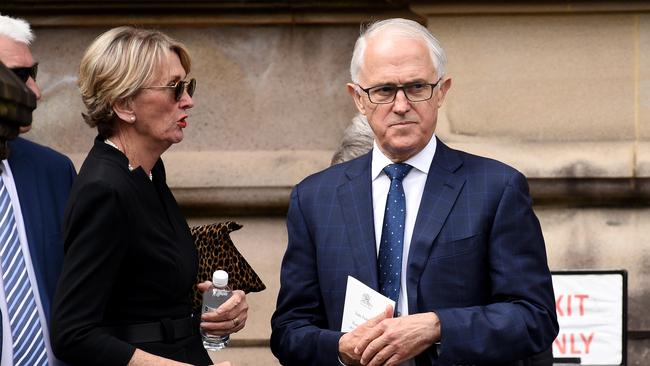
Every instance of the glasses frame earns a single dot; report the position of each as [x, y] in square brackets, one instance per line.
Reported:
[179, 87]
[24, 73]
[403, 89]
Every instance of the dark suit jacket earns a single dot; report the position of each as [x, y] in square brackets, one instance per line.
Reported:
[129, 259]
[43, 178]
[477, 260]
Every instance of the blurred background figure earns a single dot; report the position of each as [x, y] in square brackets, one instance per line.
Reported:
[34, 186]
[357, 140]
[125, 292]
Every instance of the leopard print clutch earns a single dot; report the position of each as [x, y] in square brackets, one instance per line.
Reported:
[217, 251]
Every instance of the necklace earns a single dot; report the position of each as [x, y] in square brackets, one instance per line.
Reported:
[131, 168]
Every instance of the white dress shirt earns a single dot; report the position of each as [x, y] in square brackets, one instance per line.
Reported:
[7, 349]
[413, 184]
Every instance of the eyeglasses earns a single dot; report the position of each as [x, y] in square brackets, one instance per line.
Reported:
[414, 92]
[24, 73]
[179, 87]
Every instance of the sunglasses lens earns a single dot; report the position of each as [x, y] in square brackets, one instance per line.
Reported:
[22, 73]
[178, 90]
[191, 86]
[180, 87]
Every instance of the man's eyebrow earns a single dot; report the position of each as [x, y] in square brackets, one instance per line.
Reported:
[413, 81]
[419, 80]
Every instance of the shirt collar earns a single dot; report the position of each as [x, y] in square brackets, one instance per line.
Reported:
[4, 167]
[420, 161]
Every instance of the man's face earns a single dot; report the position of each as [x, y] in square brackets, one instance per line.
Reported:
[402, 128]
[16, 54]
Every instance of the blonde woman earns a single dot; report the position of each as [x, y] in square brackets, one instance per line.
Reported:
[130, 263]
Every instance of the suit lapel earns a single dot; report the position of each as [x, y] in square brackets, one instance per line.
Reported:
[28, 191]
[355, 198]
[440, 194]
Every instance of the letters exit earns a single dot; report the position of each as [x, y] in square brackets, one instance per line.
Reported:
[570, 304]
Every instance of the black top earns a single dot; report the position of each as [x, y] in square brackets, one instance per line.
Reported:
[129, 259]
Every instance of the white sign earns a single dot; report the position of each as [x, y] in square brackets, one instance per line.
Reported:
[590, 312]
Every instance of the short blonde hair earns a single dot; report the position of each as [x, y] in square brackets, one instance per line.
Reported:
[117, 65]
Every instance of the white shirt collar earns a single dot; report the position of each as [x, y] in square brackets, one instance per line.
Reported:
[420, 161]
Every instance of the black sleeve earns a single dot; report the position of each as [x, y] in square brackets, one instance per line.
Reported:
[95, 229]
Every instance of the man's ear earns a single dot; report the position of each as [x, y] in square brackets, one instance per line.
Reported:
[124, 110]
[445, 84]
[352, 90]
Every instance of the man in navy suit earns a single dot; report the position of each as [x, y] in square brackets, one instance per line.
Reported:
[37, 180]
[473, 287]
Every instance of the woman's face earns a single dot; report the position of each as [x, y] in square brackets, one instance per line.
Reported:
[160, 118]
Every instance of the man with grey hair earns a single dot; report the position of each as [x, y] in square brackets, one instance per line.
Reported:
[35, 183]
[450, 237]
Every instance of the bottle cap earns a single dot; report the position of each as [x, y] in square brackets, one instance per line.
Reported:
[220, 278]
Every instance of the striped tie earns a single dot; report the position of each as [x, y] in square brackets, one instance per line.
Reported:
[26, 333]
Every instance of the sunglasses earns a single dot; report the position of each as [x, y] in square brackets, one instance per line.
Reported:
[24, 73]
[179, 87]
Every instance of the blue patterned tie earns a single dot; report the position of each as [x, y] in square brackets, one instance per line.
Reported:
[26, 333]
[392, 233]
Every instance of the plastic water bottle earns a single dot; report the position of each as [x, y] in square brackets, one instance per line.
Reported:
[212, 299]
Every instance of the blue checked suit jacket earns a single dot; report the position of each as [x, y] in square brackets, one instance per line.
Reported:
[43, 178]
[477, 260]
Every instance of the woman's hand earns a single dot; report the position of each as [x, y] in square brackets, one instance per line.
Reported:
[229, 318]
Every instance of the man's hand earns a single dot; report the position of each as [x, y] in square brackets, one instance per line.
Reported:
[229, 318]
[396, 340]
[349, 353]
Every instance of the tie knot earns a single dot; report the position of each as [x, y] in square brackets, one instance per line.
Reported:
[397, 171]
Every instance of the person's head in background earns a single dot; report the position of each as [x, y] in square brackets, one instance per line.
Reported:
[357, 140]
[15, 38]
[132, 82]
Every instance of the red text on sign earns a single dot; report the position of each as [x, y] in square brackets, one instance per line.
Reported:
[573, 343]
[565, 305]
